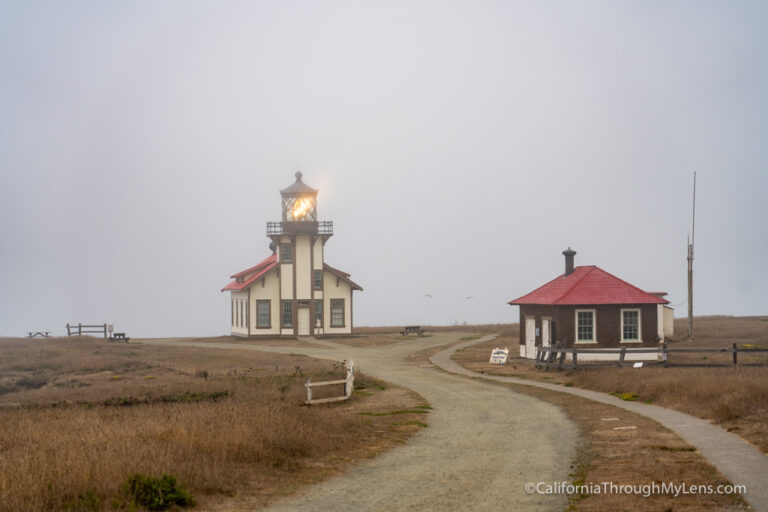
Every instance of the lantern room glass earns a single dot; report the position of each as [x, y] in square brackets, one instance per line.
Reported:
[299, 209]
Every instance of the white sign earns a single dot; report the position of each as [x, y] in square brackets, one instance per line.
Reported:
[499, 356]
[637, 365]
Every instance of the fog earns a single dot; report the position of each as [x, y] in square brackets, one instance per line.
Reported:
[458, 147]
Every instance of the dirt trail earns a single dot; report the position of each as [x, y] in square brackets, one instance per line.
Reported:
[483, 443]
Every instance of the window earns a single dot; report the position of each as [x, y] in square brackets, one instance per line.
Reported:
[286, 253]
[585, 325]
[630, 325]
[243, 312]
[263, 319]
[318, 279]
[233, 312]
[318, 313]
[287, 313]
[337, 312]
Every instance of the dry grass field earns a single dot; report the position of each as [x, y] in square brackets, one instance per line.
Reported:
[736, 398]
[78, 416]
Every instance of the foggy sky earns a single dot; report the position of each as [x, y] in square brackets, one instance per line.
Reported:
[459, 148]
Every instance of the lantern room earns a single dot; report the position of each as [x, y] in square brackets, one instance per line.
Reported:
[299, 202]
[299, 205]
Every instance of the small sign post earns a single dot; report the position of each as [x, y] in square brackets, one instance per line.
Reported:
[499, 356]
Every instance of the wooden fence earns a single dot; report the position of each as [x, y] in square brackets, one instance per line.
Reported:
[349, 383]
[80, 329]
[554, 356]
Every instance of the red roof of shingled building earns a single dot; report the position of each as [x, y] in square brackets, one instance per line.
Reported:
[588, 285]
[247, 277]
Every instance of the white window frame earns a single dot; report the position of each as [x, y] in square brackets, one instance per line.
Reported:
[639, 325]
[576, 325]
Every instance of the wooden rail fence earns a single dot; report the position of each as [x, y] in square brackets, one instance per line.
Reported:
[80, 329]
[554, 356]
[349, 384]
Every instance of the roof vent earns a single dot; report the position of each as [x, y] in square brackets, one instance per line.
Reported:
[569, 254]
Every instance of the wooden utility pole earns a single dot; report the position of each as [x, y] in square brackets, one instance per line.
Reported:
[690, 262]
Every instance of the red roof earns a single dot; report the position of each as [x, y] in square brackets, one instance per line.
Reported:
[257, 271]
[251, 274]
[588, 285]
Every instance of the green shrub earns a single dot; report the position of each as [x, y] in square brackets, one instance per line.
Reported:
[156, 494]
[628, 397]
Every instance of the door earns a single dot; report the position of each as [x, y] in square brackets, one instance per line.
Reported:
[546, 338]
[530, 338]
[303, 321]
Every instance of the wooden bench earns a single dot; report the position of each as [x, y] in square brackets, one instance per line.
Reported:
[415, 329]
[119, 336]
[42, 334]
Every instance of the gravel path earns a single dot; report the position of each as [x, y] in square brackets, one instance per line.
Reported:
[483, 443]
[739, 461]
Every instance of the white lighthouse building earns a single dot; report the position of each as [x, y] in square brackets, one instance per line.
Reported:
[293, 292]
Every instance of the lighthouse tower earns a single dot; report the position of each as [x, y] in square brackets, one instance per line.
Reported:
[293, 292]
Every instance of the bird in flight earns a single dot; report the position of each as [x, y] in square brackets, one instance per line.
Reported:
[471, 297]
[427, 295]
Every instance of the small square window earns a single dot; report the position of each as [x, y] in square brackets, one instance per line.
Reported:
[286, 253]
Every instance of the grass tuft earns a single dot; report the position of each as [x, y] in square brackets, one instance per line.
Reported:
[156, 494]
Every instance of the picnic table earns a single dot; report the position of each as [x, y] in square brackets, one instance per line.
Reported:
[412, 329]
[42, 334]
[119, 336]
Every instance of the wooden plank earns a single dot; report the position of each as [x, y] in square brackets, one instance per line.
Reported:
[735, 353]
[326, 383]
[327, 400]
[705, 350]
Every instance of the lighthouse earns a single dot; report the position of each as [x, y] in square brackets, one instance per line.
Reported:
[293, 292]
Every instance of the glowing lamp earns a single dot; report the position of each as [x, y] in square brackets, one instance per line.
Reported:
[299, 202]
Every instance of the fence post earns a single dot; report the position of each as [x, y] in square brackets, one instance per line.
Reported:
[68, 333]
[621, 356]
[349, 383]
[735, 351]
[309, 390]
[665, 354]
[562, 359]
[575, 357]
[105, 331]
[548, 359]
[79, 329]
